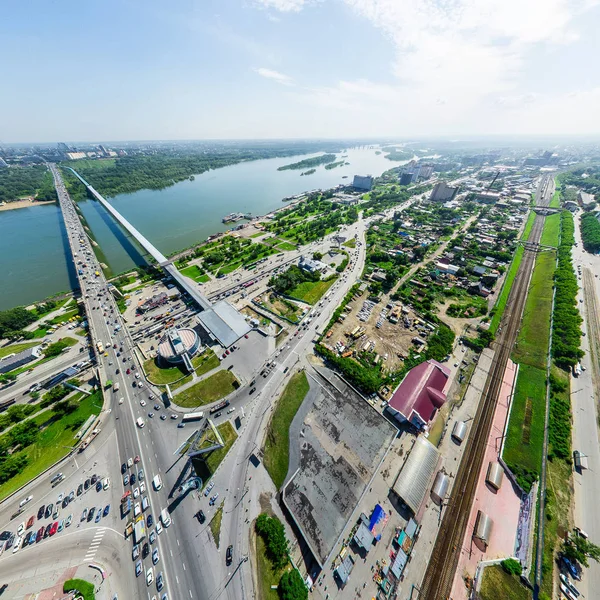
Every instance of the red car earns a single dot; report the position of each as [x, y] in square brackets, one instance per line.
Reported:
[53, 528]
[136, 459]
[40, 535]
[30, 522]
[128, 371]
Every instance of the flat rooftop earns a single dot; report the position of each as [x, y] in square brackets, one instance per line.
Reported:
[335, 449]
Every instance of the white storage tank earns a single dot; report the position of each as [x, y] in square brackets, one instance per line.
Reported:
[459, 431]
[440, 488]
[494, 475]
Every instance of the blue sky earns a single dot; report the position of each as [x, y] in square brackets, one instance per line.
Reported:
[132, 69]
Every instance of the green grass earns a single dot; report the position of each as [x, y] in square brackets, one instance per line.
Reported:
[196, 273]
[555, 202]
[350, 243]
[528, 226]
[54, 441]
[276, 452]
[16, 348]
[205, 362]
[215, 525]
[205, 468]
[508, 282]
[286, 246]
[230, 267]
[551, 231]
[311, 291]
[160, 376]
[208, 390]
[529, 397]
[532, 342]
[85, 588]
[497, 583]
[267, 575]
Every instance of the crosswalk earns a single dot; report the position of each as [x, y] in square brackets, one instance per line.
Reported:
[95, 544]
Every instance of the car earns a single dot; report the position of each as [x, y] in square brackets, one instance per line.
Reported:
[180, 425]
[159, 528]
[149, 521]
[99, 486]
[136, 492]
[117, 371]
[128, 372]
[106, 510]
[98, 515]
[21, 529]
[209, 487]
[41, 512]
[152, 537]
[142, 403]
[214, 499]
[201, 516]
[137, 375]
[218, 415]
[83, 515]
[91, 514]
[141, 474]
[252, 390]
[155, 556]
[132, 479]
[105, 483]
[54, 528]
[173, 416]
[40, 534]
[136, 552]
[149, 577]
[59, 499]
[163, 417]
[86, 485]
[46, 531]
[72, 496]
[129, 462]
[65, 501]
[61, 525]
[142, 487]
[80, 489]
[140, 384]
[25, 501]
[69, 520]
[94, 478]
[160, 582]
[145, 550]
[138, 568]
[126, 479]
[150, 414]
[137, 459]
[17, 545]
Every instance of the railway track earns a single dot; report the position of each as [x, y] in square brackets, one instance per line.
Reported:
[437, 583]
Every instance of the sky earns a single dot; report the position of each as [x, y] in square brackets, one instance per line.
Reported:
[235, 69]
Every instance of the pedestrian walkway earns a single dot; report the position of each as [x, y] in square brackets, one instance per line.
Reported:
[95, 544]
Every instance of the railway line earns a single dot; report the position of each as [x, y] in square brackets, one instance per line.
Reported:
[439, 577]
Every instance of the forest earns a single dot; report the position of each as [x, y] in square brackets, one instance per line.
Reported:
[35, 180]
[308, 163]
[590, 233]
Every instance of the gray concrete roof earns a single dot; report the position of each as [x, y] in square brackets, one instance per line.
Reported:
[224, 322]
[341, 442]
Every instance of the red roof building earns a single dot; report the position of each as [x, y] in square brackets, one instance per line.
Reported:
[420, 394]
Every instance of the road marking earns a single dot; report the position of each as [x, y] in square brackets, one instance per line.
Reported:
[171, 551]
[178, 542]
[183, 564]
[190, 591]
[177, 579]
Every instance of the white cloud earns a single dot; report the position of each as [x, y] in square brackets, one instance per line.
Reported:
[275, 76]
[285, 5]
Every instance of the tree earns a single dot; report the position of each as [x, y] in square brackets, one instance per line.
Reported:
[512, 566]
[273, 533]
[291, 586]
[317, 255]
[578, 549]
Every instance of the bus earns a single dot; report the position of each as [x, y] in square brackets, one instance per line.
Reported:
[100, 347]
[193, 416]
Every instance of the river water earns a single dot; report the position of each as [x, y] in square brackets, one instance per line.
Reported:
[34, 262]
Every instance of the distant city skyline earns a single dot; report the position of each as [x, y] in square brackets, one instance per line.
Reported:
[278, 69]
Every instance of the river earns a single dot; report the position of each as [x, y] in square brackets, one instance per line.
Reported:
[33, 254]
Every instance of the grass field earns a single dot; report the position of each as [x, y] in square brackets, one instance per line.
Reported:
[16, 348]
[508, 282]
[555, 202]
[55, 439]
[267, 575]
[208, 390]
[525, 436]
[277, 445]
[286, 246]
[196, 273]
[350, 243]
[205, 362]
[215, 524]
[528, 226]
[259, 234]
[160, 376]
[532, 342]
[550, 234]
[206, 468]
[311, 291]
[497, 583]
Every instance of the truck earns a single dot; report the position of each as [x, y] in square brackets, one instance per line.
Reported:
[139, 530]
[100, 347]
[219, 406]
[577, 370]
[116, 387]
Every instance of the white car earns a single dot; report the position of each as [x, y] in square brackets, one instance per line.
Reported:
[140, 385]
[21, 529]
[142, 487]
[129, 462]
[159, 528]
[17, 544]
[149, 577]
[142, 403]
[136, 492]
[25, 501]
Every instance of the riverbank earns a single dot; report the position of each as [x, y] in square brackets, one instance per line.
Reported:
[24, 203]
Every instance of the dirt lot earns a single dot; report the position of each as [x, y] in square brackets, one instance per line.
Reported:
[390, 338]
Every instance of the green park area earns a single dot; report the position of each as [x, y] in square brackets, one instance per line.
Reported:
[215, 525]
[550, 234]
[208, 390]
[206, 465]
[301, 285]
[196, 273]
[33, 445]
[84, 588]
[160, 375]
[311, 291]
[276, 451]
[350, 243]
[525, 436]
[16, 348]
[498, 584]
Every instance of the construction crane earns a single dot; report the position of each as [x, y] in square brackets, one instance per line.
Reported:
[493, 181]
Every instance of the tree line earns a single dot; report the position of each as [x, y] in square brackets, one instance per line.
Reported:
[590, 233]
[34, 180]
[308, 163]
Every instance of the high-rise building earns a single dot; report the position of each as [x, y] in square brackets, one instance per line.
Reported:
[442, 192]
[363, 182]
[426, 171]
[406, 178]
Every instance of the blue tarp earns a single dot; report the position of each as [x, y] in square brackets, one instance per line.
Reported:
[378, 521]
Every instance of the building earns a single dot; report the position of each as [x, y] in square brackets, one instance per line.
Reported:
[420, 394]
[406, 179]
[178, 346]
[76, 155]
[312, 266]
[487, 197]
[154, 302]
[443, 192]
[426, 171]
[363, 182]
[18, 360]
[586, 199]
